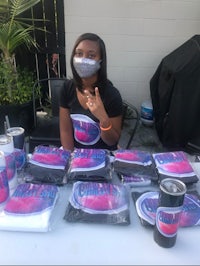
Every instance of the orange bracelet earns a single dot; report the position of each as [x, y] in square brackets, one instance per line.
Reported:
[106, 128]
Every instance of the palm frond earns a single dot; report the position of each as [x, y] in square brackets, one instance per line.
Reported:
[20, 6]
[21, 36]
[15, 29]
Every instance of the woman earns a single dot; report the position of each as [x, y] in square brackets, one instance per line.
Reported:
[90, 106]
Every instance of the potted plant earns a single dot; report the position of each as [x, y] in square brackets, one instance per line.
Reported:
[15, 83]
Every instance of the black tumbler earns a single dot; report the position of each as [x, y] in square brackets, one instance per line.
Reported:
[171, 197]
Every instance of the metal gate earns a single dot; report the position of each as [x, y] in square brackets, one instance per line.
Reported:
[49, 61]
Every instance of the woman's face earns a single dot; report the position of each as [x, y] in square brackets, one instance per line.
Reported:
[88, 49]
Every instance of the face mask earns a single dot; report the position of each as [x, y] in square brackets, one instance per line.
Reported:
[86, 67]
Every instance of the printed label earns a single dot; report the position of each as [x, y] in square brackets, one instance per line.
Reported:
[147, 113]
[167, 220]
[20, 158]
[88, 159]
[86, 131]
[4, 188]
[173, 164]
[10, 166]
[168, 157]
[94, 197]
[31, 198]
[134, 157]
[50, 156]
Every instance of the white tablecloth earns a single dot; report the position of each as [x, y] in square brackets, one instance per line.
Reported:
[95, 244]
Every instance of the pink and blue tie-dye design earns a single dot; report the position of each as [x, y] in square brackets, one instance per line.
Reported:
[50, 157]
[98, 202]
[86, 131]
[4, 187]
[174, 164]
[89, 164]
[147, 203]
[30, 208]
[31, 198]
[88, 159]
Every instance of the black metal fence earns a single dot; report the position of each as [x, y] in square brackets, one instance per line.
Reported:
[49, 61]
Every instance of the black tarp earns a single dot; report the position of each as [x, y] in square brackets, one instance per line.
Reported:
[175, 94]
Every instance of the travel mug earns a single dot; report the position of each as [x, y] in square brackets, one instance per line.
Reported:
[7, 146]
[4, 187]
[170, 203]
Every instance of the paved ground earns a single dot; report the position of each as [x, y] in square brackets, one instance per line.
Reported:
[145, 138]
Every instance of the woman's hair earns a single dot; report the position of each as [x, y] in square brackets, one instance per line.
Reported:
[102, 72]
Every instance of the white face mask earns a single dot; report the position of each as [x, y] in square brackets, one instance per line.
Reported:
[86, 67]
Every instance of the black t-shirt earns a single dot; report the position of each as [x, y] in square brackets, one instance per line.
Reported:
[86, 125]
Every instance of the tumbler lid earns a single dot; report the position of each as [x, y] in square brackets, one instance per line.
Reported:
[173, 186]
[5, 139]
[14, 131]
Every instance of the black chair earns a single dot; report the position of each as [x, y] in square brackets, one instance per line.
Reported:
[130, 122]
[46, 113]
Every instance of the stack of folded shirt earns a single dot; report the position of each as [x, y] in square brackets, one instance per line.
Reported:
[96, 202]
[89, 165]
[174, 165]
[135, 166]
[47, 165]
[29, 208]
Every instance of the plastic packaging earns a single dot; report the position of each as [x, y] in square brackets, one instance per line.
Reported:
[146, 204]
[29, 208]
[175, 165]
[147, 113]
[134, 163]
[89, 165]
[46, 165]
[93, 202]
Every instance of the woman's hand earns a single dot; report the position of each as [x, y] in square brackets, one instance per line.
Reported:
[96, 105]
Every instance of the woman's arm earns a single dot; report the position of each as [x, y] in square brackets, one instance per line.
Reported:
[110, 126]
[111, 130]
[66, 129]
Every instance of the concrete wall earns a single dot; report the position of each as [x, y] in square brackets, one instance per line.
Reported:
[137, 34]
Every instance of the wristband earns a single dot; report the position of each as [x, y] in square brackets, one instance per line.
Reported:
[106, 128]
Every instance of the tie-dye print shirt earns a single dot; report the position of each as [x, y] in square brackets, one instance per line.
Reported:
[87, 132]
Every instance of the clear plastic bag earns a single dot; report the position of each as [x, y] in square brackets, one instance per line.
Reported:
[89, 165]
[29, 208]
[95, 202]
[134, 163]
[174, 165]
[46, 165]
[146, 204]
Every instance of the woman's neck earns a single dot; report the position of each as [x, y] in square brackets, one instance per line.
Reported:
[89, 82]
